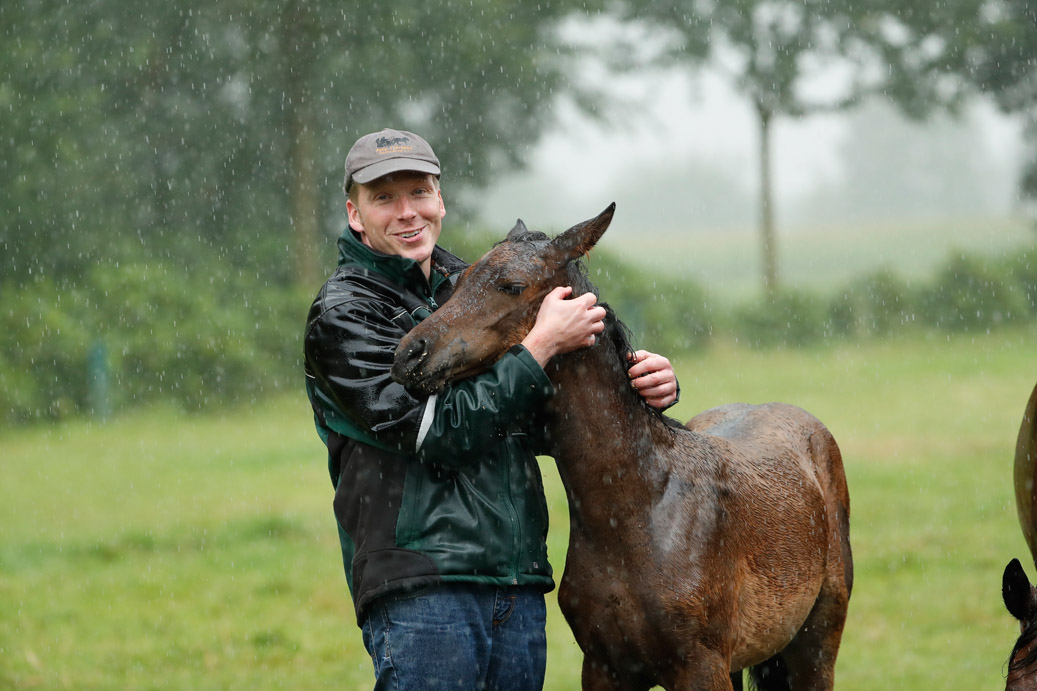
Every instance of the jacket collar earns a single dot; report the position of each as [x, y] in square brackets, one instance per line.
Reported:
[401, 269]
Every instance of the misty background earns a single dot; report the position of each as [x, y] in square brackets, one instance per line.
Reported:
[170, 173]
[682, 159]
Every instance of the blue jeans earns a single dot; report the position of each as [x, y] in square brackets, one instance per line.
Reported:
[458, 636]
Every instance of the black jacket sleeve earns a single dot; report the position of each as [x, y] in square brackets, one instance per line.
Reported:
[349, 348]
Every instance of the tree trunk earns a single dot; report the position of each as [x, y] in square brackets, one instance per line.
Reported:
[769, 247]
[297, 51]
[304, 196]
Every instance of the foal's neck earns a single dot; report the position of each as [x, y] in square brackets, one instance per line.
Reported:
[600, 431]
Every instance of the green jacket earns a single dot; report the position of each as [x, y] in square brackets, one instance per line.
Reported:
[427, 490]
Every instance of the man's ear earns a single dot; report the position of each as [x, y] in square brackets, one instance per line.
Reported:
[355, 222]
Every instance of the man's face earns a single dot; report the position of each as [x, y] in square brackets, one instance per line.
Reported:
[399, 214]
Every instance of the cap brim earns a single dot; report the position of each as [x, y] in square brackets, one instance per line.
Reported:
[393, 165]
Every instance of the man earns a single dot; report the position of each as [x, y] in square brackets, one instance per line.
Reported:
[439, 501]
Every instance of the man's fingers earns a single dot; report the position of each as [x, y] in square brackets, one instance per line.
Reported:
[647, 381]
[649, 365]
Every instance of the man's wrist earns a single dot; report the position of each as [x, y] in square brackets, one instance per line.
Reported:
[541, 350]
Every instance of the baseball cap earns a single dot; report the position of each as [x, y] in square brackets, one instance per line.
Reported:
[388, 151]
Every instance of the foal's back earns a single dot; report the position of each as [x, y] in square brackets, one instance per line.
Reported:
[777, 440]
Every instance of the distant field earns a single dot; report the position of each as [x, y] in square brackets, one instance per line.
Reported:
[728, 261]
[161, 551]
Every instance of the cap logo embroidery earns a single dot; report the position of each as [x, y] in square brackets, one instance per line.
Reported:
[386, 145]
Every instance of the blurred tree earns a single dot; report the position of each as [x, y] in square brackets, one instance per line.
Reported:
[767, 48]
[940, 53]
[172, 128]
[772, 50]
[42, 99]
[1001, 60]
[128, 136]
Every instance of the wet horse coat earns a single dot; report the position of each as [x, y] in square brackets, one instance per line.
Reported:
[1019, 595]
[694, 551]
[1021, 600]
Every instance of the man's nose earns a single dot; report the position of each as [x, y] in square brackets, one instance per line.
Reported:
[404, 208]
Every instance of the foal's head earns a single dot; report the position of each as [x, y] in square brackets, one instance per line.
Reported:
[1021, 600]
[494, 305]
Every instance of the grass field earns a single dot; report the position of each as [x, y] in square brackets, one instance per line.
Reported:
[162, 551]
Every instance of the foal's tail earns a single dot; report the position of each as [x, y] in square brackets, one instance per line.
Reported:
[770, 675]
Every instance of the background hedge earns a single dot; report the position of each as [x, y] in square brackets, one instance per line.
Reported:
[146, 332]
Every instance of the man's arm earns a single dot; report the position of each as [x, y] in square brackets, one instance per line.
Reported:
[564, 325]
[349, 352]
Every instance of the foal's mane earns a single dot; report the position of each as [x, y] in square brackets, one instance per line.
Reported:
[1027, 638]
[616, 333]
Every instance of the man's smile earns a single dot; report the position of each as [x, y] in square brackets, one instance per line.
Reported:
[410, 234]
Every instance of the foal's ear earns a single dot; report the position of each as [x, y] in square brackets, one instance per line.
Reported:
[1016, 591]
[578, 240]
[519, 229]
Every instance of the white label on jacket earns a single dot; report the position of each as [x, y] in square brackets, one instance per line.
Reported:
[426, 421]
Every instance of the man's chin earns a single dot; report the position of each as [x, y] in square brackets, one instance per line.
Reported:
[419, 254]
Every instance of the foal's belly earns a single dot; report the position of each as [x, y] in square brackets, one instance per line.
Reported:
[646, 613]
[769, 617]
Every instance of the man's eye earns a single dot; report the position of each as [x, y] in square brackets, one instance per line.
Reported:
[511, 288]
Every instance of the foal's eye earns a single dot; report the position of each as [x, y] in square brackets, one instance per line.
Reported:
[511, 288]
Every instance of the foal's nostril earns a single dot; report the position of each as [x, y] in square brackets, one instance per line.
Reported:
[411, 356]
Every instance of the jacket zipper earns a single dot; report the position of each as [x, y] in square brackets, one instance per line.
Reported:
[516, 541]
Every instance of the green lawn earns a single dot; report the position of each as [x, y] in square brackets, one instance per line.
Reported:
[168, 551]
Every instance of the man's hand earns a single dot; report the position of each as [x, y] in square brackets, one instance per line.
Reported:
[652, 375]
[564, 325]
